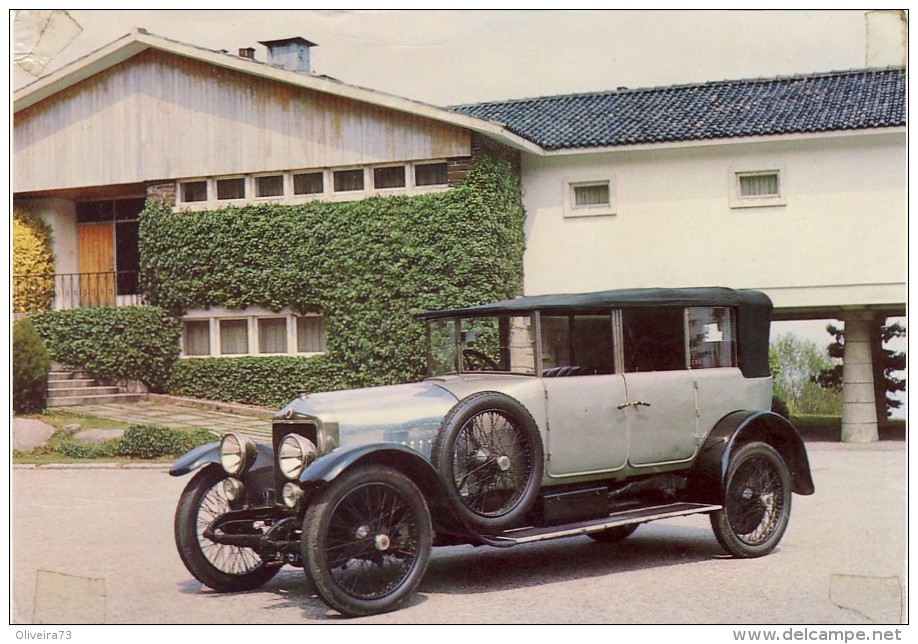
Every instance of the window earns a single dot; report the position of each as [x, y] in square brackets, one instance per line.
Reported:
[231, 188]
[712, 338]
[431, 174]
[595, 194]
[588, 198]
[194, 191]
[759, 188]
[272, 186]
[259, 332]
[310, 334]
[272, 335]
[653, 340]
[308, 183]
[346, 180]
[197, 338]
[234, 337]
[389, 177]
[577, 345]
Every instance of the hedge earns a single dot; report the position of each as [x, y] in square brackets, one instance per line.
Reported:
[127, 343]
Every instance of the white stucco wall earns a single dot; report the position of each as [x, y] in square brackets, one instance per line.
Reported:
[60, 214]
[838, 240]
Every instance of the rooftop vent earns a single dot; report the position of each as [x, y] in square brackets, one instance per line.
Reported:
[247, 52]
[289, 53]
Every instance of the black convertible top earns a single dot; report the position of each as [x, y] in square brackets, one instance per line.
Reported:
[753, 312]
[620, 298]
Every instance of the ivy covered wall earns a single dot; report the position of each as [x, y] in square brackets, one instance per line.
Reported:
[368, 266]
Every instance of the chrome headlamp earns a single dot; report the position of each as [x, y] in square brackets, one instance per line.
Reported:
[294, 454]
[237, 453]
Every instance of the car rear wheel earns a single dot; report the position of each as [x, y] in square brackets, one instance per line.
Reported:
[367, 541]
[223, 567]
[489, 454]
[757, 502]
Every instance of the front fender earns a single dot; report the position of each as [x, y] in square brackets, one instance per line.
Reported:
[210, 453]
[329, 467]
[195, 458]
[744, 426]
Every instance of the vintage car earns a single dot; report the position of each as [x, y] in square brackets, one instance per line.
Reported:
[542, 417]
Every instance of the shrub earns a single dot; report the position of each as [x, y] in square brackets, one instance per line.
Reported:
[270, 381]
[33, 263]
[31, 364]
[128, 343]
[153, 441]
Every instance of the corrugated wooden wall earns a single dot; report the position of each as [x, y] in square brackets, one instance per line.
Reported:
[161, 116]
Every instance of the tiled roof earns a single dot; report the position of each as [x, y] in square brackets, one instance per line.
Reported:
[825, 102]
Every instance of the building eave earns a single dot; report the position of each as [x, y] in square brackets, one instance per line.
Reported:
[749, 140]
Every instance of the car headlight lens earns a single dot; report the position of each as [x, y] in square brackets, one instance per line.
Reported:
[233, 489]
[291, 494]
[237, 453]
[294, 454]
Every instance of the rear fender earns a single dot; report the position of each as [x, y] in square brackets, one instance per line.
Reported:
[742, 427]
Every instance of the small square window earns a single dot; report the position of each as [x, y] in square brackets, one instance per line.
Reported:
[347, 180]
[272, 186]
[196, 338]
[308, 183]
[759, 185]
[272, 335]
[234, 337]
[194, 191]
[389, 177]
[590, 195]
[310, 334]
[431, 174]
[757, 188]
[231, 188]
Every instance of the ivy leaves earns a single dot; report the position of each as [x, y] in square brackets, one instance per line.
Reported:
[368, 265]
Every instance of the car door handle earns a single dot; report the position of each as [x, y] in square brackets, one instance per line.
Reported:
[637, 403]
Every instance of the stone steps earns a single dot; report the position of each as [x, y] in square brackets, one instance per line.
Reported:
[68, 388]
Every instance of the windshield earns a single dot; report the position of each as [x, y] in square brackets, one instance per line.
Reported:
[492, 344]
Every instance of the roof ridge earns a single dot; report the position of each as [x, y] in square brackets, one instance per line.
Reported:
[677, 86]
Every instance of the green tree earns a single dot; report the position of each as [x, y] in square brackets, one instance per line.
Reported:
[889, 363]
[795, 364]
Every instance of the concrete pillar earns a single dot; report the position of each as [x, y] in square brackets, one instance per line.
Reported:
[859, 411]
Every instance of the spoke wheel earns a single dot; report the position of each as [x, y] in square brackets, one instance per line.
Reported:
[225, 568]
[757, 502]
[489, 454]
[367, 541]
[613, 535]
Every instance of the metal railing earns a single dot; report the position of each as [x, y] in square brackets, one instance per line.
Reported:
[62, 291]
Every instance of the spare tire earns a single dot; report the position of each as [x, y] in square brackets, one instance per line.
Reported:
[489, 453]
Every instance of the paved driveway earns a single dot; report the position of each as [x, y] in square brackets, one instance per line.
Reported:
[96, 545]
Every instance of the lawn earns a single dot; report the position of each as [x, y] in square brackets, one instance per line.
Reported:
[140, 443]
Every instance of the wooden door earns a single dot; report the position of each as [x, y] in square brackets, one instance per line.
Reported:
[97, 264]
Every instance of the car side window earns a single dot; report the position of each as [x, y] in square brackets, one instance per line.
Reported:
[653, 339]
[712, 337]
[577, 345]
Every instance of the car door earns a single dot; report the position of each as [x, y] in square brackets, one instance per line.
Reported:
[587, 431]
[660, 389]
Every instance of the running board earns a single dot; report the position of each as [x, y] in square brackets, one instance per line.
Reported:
[628, 517]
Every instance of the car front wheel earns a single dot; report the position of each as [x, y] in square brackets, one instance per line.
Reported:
[757, 502]
[223, 567]
[367, 541]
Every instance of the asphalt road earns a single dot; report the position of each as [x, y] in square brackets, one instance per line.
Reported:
[96, 545]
